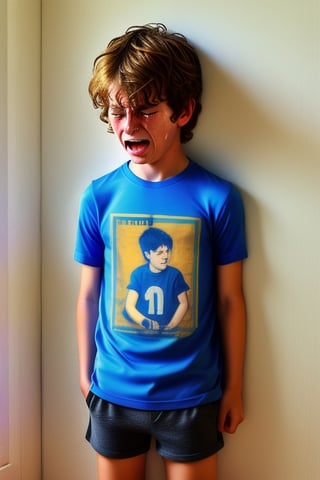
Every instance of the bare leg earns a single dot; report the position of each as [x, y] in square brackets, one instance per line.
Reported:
[121, 469]
[205, 469]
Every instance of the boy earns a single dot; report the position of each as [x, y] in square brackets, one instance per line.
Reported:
[182, 390]
[157, 297]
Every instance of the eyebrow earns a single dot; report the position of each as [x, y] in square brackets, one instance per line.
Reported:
[137, 108]
[146, 106]
[116, 106]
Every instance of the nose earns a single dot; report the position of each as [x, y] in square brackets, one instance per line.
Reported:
[131, 122]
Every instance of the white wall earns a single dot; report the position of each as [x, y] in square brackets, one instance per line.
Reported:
[260, 128]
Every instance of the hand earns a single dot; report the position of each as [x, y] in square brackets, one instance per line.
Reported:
[231, 411]
[150, 324]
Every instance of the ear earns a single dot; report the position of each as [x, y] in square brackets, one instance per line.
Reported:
[186, 114]
[147, 255]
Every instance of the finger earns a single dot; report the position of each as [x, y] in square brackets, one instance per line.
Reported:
[231, 424]
[222, 420]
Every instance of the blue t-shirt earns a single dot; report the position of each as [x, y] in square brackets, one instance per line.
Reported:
[137, 366]
[157, 292]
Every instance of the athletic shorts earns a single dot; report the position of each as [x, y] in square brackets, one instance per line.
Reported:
[182, 435]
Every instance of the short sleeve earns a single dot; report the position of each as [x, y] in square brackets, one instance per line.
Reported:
[230, 230]
[89, 245]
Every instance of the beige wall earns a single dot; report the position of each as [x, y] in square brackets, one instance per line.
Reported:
[260, 128]
[20, 325]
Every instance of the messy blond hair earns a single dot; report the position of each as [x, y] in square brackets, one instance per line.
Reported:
[151, 62]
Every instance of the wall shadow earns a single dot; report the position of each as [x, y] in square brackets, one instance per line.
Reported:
[231, 140]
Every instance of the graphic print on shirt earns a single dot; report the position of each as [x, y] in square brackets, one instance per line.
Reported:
[155, 274]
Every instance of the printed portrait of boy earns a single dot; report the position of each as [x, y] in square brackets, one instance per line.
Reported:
[155, 274]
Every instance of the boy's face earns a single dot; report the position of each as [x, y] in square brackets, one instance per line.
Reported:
[158, 259]
[146, 132]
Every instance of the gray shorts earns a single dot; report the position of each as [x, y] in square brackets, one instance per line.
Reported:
[182, 435]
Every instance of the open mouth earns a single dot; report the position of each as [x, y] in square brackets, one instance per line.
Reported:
[137, 148]
[136, 144]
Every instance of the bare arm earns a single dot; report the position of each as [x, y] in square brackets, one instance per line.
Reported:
[232, 316]
[135, 315]
[86, 316]
[180, 312]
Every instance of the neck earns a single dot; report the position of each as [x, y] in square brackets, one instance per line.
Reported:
[154, 173]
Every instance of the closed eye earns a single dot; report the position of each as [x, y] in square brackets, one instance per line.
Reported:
[146, 110]
[117, 113]
[147, 113]
[141, 112]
